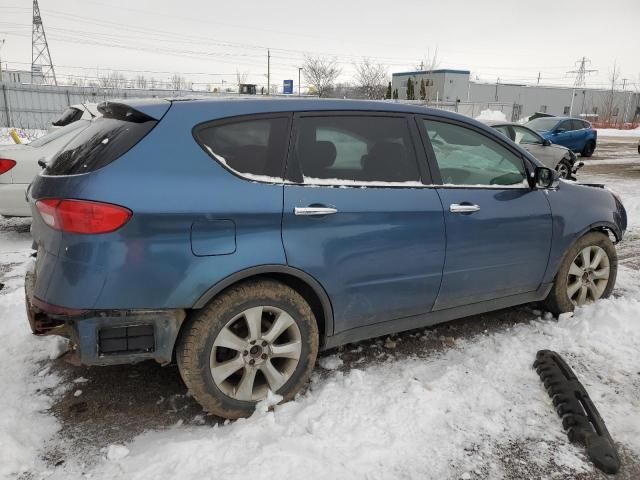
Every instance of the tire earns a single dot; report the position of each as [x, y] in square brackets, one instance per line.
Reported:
[564, 169]
[588, 149]
[224, 337]
[572, 279]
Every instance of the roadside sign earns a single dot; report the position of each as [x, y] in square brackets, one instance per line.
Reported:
[287, 87]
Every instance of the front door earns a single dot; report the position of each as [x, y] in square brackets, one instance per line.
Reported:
[359, 218]
[498, 228]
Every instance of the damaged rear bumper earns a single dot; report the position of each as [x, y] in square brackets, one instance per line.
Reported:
[106, 337]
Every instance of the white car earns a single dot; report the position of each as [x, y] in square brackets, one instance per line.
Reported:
[73, 113]
[20, 163]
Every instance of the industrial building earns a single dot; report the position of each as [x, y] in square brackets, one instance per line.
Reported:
[455, 88]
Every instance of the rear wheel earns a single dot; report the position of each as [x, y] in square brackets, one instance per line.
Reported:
[589, 148]
[587, 273]
[257, 337]
[564, 169]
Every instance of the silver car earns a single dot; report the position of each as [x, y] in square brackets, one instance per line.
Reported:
[20, 163]
[560, 158]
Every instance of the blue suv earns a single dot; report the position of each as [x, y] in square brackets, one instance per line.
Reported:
[573, 133]
[241, 236]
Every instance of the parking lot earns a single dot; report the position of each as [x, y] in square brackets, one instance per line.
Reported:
[98, 407]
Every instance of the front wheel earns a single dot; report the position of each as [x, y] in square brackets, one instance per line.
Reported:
[587, 273]
[564, 169]
[257, 337]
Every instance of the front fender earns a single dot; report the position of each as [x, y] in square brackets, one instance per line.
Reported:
[578, 209]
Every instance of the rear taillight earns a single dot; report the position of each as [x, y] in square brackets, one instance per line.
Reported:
[82, 216]
[6, 165]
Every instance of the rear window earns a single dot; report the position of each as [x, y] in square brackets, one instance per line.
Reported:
[254, 148]
[74, 128]
[70, 115]
[104, 140]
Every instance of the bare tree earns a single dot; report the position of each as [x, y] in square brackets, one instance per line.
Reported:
[371, 78]
[320, 73]
[609, 107]
[141, 81]
[178, 82]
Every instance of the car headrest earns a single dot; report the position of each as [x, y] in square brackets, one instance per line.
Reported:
[317, 155]
[385, 158]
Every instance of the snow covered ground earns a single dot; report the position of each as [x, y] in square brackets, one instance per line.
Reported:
[471, 408]
[25, 134]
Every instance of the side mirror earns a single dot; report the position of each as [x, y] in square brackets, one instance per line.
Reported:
[546, 142]
[559, 130]
[546, 178]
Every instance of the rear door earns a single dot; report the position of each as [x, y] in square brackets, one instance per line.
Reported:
[498, 228]
[359, 218]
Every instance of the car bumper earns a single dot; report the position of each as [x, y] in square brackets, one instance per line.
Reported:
[12, 200]
[105, 337]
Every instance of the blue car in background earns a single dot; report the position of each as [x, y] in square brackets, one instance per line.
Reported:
[241, 236]
[573, 133]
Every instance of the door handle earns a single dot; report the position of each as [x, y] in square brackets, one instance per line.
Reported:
[311, 211]
[463, 208]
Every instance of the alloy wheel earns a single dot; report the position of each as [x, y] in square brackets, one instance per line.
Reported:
[256, 351]
[588, 275]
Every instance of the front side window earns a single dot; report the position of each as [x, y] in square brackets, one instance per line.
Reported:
[467, 157]
[354, 149]
[525, 136]
[254, 147]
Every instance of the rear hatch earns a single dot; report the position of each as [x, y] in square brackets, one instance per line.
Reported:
[60, 200]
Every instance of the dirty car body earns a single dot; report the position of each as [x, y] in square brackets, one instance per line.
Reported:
[175, 226]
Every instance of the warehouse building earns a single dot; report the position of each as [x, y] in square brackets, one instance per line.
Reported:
[449, 88]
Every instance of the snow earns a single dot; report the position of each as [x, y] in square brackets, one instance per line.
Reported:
[614, 132]
[492, 115]
[25, 134]
[24, 375]
[455, 413]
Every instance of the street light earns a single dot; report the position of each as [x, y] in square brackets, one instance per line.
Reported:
[299, 71]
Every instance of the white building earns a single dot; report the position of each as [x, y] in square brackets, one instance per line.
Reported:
[450, 87]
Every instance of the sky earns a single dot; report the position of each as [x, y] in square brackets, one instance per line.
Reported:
[209, 41]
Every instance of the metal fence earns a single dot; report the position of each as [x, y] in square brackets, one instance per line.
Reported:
[36, 106]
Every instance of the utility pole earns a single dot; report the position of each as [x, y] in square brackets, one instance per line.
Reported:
[299, 84]
[41, 63]
[626, 103]
[580, 74]
[497, 83]
[1, 45]
[538, 79]
[268, 72]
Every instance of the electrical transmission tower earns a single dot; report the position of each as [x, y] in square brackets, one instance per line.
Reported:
[581, 72]
[41, 65]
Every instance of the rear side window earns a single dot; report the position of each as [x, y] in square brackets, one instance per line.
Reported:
[254, 148]
[331, 150]
[103, 141]
[70, 115]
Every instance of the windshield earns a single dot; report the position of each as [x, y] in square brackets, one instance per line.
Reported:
[67, 130]
[543, 123]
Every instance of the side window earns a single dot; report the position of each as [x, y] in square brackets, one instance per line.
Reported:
[254, 147]
[467, 157]
[576, 125]
[503, 129]
[524, 136]
[356, 148]
[567, 126]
